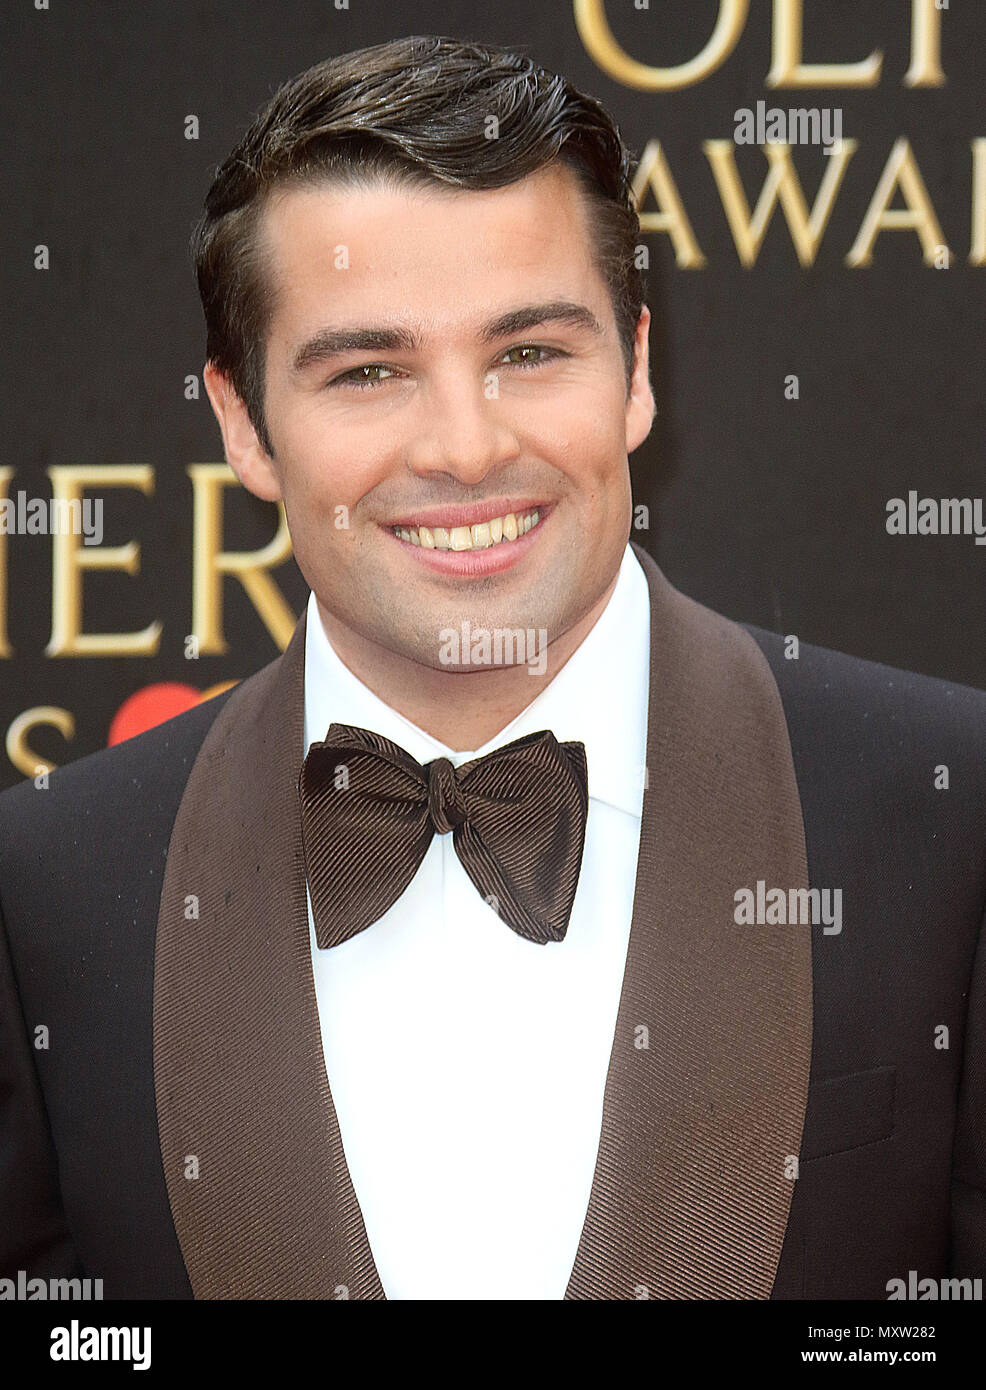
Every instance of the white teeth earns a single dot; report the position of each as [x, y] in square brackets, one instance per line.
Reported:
[479, 536]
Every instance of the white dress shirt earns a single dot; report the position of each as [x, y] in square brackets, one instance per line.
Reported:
[467, 1064]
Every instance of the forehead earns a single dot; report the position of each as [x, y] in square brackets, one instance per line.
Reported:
[446, 258]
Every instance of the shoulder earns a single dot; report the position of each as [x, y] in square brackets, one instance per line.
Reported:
[822, 686]
[103, 806]
[890, 764]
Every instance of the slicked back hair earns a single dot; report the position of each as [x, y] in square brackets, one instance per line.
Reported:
[416, 110]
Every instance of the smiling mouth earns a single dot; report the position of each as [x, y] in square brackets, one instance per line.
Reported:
[499, 530]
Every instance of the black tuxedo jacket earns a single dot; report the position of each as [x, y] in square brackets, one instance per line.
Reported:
[807, 1121]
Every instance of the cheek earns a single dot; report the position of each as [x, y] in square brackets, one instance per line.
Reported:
[318, 478]
[595, 462]
[584, 434]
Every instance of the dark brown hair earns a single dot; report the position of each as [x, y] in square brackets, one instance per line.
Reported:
[416, 109]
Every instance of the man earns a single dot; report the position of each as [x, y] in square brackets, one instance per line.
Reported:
[468, 950]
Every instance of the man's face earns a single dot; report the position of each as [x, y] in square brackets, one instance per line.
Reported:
[389, 453]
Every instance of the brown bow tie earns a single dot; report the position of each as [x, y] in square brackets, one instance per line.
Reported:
[369, 811]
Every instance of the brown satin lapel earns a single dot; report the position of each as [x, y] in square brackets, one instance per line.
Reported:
[689, 1198]
[239, 1075]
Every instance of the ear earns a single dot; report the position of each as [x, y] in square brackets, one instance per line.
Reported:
[244, 452]
[640, 402]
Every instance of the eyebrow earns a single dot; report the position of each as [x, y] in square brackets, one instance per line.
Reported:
[331, 342]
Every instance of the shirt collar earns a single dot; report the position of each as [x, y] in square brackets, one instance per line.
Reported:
[599, 696]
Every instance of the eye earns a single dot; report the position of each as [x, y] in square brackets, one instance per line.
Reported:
[356, 378]
[545, 354]
[360, 378]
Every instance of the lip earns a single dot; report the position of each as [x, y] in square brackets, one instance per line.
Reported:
[468, 513]
[469, 564]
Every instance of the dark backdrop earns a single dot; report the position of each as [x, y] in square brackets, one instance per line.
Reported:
[768, 509]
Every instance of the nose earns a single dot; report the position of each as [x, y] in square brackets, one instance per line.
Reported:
[462, 431]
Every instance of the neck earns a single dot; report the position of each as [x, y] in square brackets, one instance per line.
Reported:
[463, 710]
